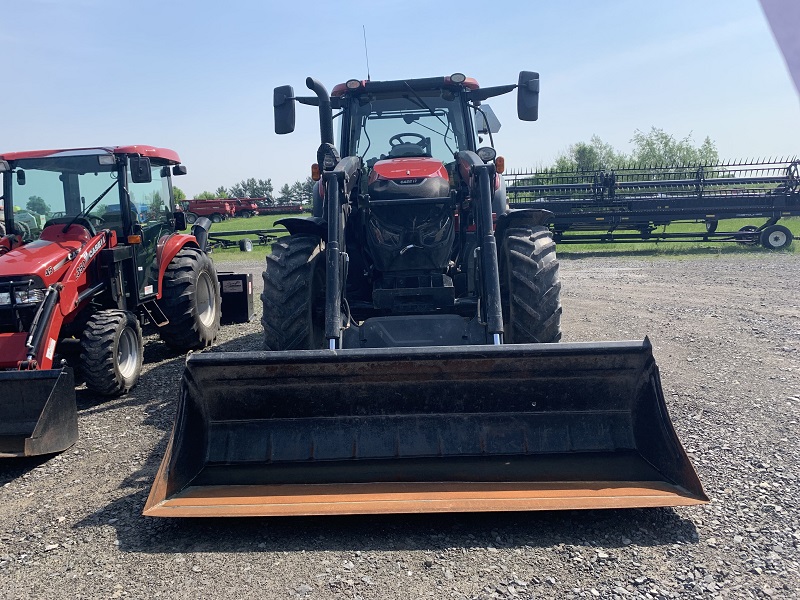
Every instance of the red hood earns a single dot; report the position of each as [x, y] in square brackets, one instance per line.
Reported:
[408, 168]
[45, 259]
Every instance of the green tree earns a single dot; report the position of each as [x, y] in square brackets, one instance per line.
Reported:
[285, 194]
[221, 192]
[251, 188]
[590, 156]
[658, 147]
[36, 204]
[307, 193]
[178, 193]
[204, 195]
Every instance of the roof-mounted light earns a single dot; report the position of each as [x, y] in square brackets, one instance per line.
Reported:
[353, 84]
[106, 159]
[458, 78]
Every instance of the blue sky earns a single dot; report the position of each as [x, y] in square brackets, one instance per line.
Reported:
[197, 76]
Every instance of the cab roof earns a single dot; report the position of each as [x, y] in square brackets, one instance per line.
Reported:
[165, 154]
[427, 83]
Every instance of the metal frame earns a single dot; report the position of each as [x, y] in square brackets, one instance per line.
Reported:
[638, 200]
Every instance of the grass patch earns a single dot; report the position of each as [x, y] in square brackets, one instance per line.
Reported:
[261, 223]
[664, 249]
[671, 248]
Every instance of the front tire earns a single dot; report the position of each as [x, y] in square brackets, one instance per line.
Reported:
[191, 301]
[294, 294]
[216, 218]
[530, 287]
[111, 352]
[191, 218]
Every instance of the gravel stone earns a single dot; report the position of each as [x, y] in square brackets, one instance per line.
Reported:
[734, 405]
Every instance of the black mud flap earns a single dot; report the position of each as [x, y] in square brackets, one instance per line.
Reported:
[37, 412]
[437, 429]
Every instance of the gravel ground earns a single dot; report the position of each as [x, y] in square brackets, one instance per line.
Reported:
[726, 335]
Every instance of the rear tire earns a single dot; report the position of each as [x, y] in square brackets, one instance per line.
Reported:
[191, 301]
[191, 218]
[530, 288]
[216, 218]
[111, 352]
[294, 294]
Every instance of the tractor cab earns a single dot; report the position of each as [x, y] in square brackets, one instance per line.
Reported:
[52, 196]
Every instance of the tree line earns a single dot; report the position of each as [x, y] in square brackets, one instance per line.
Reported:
[652, 149]
[297, 193]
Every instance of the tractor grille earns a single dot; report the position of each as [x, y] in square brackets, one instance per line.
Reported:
[20, 298]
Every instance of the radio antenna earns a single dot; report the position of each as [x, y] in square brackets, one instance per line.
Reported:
[366, 52]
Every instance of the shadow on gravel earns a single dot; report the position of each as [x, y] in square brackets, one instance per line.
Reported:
[12, 468]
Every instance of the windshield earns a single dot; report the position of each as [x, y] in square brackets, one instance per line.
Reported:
[427, 123]
[56, 187]
[64, 186]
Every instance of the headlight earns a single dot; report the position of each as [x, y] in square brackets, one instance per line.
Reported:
[5, 298]
[28, 296]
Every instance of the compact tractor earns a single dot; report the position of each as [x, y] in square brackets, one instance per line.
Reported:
[107, 259]
[410, 326]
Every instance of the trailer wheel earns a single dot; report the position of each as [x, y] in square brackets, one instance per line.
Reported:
[111, 352]
[776, 237]
[216, 218]
[191, 301]
[246, 245]
[748, 240]
[191, 218]
[294, 294]
[711, 226]
[530, 288]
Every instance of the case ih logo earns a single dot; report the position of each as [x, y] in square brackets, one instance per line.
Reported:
[408, 181]
[88, 256]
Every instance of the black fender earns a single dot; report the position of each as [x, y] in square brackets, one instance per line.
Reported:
[200, 229]
[521, 217]
[305, 226]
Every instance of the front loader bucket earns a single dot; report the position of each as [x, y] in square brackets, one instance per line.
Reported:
[436, 429]
[37, 412]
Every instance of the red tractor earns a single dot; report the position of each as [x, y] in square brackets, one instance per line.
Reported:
[108, 258]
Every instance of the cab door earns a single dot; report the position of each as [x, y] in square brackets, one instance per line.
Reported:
[151, 215]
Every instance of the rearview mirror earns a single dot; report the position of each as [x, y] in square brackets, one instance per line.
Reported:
[20, 177]
[283, 103]
[179, 170]
[140, 169]
[528, 96]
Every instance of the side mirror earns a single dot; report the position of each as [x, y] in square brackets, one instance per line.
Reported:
[20, 177]
[528, 96]
[140, 169]
[180, 220]
[283, 103]
[179, 170]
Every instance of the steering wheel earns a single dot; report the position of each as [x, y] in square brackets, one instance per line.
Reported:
[397, 139]
[95, 220]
